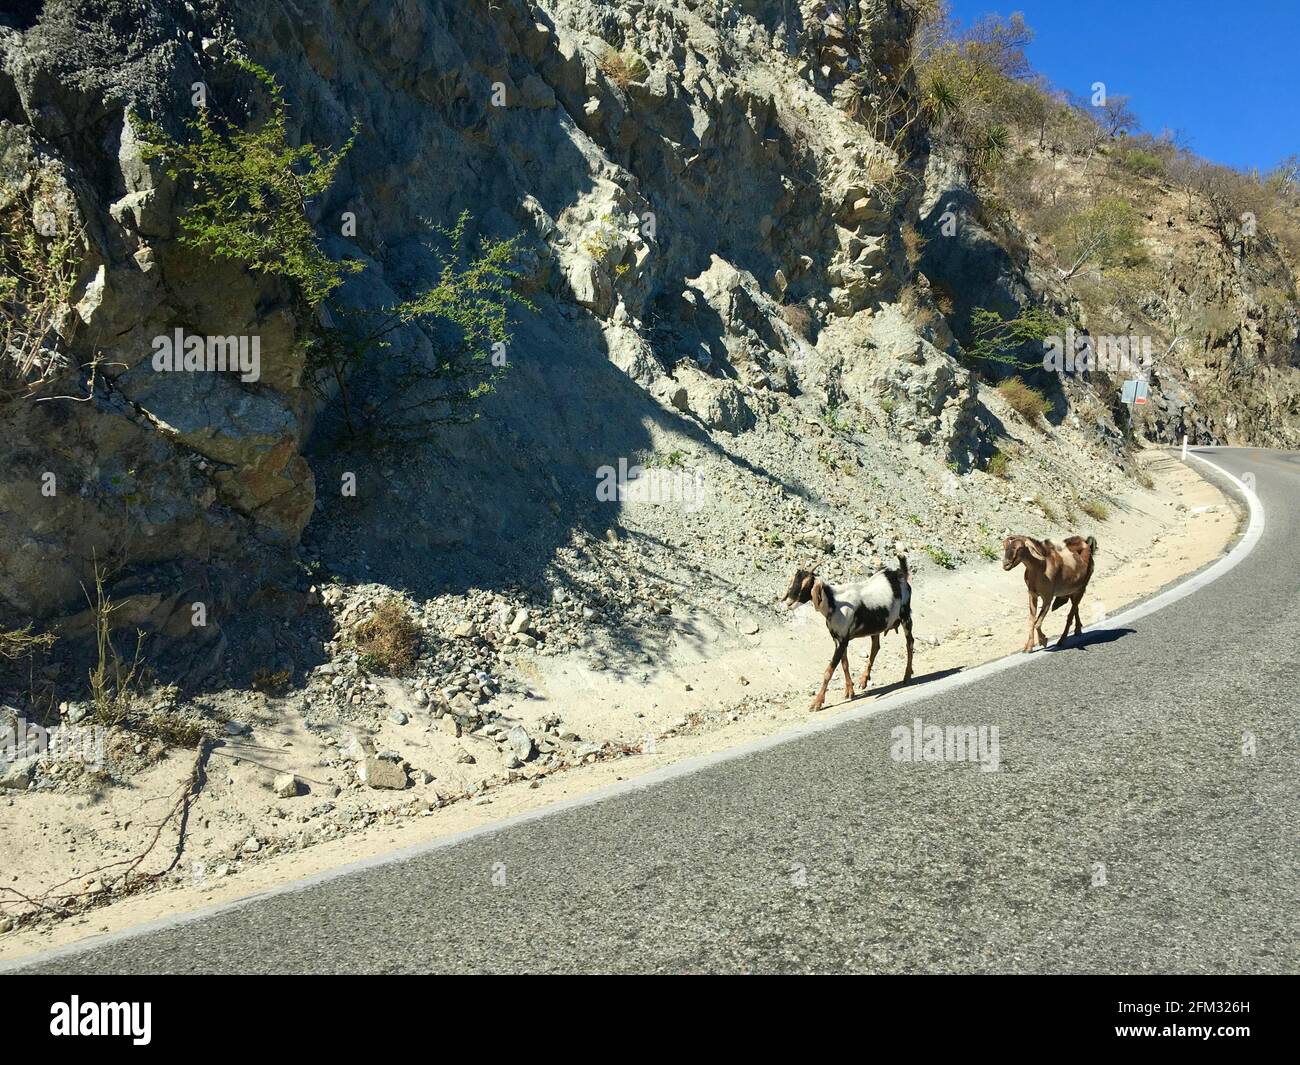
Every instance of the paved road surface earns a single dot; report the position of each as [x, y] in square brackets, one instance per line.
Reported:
[824, 854]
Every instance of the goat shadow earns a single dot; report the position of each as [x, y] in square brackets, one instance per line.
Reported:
[920, 678]
[1088, 638]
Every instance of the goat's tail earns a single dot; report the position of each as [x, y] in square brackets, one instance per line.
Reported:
[1092, 544]
[902, 565]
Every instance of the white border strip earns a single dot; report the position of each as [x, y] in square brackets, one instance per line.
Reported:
[893, 701]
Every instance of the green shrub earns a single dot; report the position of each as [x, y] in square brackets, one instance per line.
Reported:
[466, 317]
[1105, 233]
[252, 188]
[251, 191]
[999, 465]
[995, 339]
[941, 557]
[1139, 162]
[971, 90]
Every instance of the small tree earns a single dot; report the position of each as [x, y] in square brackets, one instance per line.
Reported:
[1116, 117]
[1284, 179]
[995, 339]
[1082, 133]
[465, 316]
[1182, 169]
[1105, 233]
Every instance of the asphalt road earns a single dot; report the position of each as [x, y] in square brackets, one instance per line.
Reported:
[1121, 761]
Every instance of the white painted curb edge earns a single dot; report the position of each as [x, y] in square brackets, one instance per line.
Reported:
[902, 697]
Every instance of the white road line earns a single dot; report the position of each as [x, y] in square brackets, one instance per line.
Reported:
[835, 719]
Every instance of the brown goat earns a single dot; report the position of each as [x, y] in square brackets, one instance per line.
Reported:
[1057, 576]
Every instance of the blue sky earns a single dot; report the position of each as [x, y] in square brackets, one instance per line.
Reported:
[1224, 72]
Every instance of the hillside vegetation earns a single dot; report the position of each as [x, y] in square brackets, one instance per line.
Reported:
[1125, 232]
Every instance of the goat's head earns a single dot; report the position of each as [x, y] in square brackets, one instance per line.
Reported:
[800, 590]
[1018, 549]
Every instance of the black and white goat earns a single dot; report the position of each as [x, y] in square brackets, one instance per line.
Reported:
[870, 608]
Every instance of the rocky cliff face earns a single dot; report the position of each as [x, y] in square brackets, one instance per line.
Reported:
[1234, 374]
[714, 242]
[110, 461]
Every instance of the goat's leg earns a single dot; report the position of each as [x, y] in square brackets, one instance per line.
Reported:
[1043, 611]
[1071, 615]
[871, 661]
[907, 631]
[840, 647]
[1033, 613]
[848, 680]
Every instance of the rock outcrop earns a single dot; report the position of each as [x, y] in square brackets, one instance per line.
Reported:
[713, 241]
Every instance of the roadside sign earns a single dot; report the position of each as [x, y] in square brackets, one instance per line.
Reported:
[1135, 391]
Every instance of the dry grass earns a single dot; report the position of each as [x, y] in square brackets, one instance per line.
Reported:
[23, 643]
[267, 680]
[797, 317]
[388, 640]
[1095, 510]
[173, 730]
[622, 68]
[115, 681]
[40, 240]
[913, 244]
[1028, 402]
[943, 297]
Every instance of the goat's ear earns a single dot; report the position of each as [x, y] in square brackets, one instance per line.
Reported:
[1035, 550]
[820, 600]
